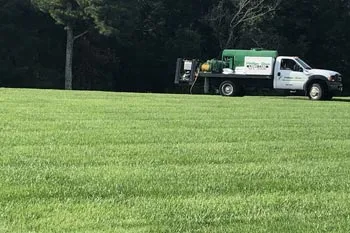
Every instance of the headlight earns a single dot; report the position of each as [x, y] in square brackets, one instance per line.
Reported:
[335, 78]
[332, 78]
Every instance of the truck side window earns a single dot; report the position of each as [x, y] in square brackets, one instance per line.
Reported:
[289, 64]
[285, 64]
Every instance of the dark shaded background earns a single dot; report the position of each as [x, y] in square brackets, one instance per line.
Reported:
[141, 58]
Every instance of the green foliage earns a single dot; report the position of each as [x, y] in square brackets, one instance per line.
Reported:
[30, 47]
[107, 162]
[147, 36]
[317, 32]
[74, 11]
[186, 43]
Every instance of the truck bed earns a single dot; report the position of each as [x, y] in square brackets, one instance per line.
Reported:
[213, 80]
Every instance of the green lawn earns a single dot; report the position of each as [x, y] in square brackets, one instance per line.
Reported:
[122, 162]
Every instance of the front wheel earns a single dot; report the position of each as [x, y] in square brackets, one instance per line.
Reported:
[228, 88]
[316, 92]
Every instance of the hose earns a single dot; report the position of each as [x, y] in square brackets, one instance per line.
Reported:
[195, 80]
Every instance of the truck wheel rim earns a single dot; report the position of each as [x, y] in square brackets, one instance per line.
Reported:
[315, 92]
[227, 89]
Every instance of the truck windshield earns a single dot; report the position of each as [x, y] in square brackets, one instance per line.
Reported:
[303, 64]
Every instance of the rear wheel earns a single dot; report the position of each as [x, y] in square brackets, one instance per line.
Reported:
[228, 88]
[316, 92]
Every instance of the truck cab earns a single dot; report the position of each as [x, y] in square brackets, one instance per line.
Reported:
[292, 73]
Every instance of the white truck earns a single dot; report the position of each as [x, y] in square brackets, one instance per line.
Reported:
[242, 70]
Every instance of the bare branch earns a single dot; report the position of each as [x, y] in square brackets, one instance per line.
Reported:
[80, 35]
[242, 4]
[228, 16]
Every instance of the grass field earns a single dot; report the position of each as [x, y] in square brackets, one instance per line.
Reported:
[121, 162]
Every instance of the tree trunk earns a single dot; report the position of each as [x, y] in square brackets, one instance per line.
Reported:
[229, 40]
[69, 57]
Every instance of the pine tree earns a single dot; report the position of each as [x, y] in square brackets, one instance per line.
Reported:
[76, 14]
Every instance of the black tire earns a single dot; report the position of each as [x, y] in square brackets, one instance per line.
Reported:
[228, 88]
[316, 92]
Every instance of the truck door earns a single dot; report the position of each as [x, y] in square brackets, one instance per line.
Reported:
[290, 75]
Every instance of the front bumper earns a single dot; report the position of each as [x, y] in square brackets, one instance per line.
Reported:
[336, 88]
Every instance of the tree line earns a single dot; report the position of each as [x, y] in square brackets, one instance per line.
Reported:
[132, 45]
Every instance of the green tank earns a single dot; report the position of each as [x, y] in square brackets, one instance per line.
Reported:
[235, 57]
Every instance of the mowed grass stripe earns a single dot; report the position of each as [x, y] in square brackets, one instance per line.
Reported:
[124, 162]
